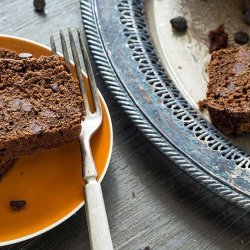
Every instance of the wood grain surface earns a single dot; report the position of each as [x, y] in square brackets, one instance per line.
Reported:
[149, 201]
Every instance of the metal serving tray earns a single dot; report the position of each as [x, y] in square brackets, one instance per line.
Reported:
[155, 90]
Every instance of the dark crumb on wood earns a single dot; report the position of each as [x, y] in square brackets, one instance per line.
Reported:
[17, 204]
[218, 38]
[202, 105]
[39, 5]
[147, 248]
[133, 194]
[21, 173]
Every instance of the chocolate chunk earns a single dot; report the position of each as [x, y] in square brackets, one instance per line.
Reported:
[223, 92]
[231, 86]
[48, 113]
[36, 128]
[17, 205]
[241, 37]
[244, 91]
[2, 151]
[15, 104]
[27, 106]
[25, 55]
[179, 23]
[55, 88]
[239, 68]
[39, 5]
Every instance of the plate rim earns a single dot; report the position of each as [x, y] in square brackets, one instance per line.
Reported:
[111, 76]
[40, 232]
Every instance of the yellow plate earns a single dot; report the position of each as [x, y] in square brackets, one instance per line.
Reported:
[50, 182]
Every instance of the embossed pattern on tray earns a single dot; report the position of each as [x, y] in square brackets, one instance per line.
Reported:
[154, 104]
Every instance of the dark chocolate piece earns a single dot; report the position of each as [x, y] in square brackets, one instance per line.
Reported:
[241, 37]
[39, 5]
[17, 204]
[179, 23]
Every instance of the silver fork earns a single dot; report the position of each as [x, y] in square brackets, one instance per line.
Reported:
[99, 233]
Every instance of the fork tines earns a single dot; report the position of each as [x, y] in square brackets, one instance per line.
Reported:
[84, 52]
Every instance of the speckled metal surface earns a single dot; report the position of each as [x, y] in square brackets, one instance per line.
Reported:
[120, 44]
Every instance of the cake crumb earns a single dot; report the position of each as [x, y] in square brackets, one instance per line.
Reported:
[218, 38]
[39, 5]
[202, 105]
[146, 248]
[17, 205]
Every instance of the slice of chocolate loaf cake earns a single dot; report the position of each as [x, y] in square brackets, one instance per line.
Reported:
[5, 166]
[228, 94]
[41, 106]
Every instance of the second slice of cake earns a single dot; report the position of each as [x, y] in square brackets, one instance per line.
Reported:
[41, 106]
[228, 94]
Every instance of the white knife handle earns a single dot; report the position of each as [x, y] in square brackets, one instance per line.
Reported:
[99, 233]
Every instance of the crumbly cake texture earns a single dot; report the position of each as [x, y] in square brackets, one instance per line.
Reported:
[41, 106]
[5, 53]
[5, 166]
[218, 38]
[228, 94]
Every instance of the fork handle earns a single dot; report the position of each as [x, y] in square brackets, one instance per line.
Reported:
[99, 233]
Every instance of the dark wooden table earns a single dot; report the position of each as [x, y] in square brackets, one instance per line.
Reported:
[149, 201]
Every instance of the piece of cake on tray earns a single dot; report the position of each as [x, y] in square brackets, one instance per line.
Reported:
[228, 94]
